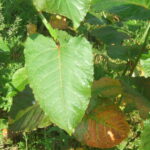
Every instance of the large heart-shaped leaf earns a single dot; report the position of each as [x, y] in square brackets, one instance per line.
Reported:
[73, 9]
[60, 76]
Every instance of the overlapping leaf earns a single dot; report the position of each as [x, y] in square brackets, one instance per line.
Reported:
[145, 136]
[132, 97]
[122, 52]
[25, 114]
[73, 9]
[109, 35]
[142, 85]
[145, 63]
[60, 76]
[104, 127]
[127, 9]
[107, 87]
[4, 45]
[20, 79]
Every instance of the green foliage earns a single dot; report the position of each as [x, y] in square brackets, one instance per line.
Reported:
[23, 110]
[75, 10]
[109, 35]
[145, 63]
[126, 9]
[58, 67]
[20, 79]
[145, 140]
[61, 77]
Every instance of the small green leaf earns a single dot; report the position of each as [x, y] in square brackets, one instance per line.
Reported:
[145, 136]
[60, 76]
[145, 64]
[20, 79]
[4, 45]
[73, 9]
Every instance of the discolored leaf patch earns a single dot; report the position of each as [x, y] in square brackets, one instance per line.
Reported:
[105, 127]
[107, 87]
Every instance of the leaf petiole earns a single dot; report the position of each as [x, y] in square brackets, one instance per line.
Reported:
[48, 26]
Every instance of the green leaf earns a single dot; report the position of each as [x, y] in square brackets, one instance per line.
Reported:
[145, 136]
[3, 124]
[109, 35]
[93, 19]
[4, 45]
[132, 97]
[29, 119]
[122, 52]
[4, 51]
[25, 113]
[21, 101]
[145, 64]
[127, 9]
[20, 79]
[142, 85]
[60, 76]
[73, 9]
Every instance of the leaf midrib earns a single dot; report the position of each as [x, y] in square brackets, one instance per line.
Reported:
[61, 76]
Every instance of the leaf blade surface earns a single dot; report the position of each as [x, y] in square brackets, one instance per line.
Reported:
[60, 77]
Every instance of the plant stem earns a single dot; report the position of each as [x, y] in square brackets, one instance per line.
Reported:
[145, 37]
[48, 26]
[126, 69]
[26, 140]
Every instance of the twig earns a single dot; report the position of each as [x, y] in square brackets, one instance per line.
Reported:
[145, 37]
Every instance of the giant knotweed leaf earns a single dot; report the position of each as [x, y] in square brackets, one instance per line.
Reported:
[60, 76]
[73, 9]
[105, 127]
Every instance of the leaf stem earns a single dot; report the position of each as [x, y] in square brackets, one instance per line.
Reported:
[48, 26]
[145, 37]
[126, 69]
